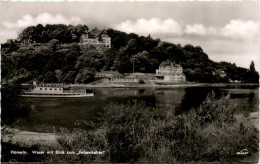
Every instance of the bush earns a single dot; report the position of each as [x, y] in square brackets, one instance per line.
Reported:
[82, 140]
[213, 132]
[85, 76]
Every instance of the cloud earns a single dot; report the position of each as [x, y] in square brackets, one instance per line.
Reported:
[235, 29]
[240, 29]
[198, 29]
[44, 18]
[151, 26]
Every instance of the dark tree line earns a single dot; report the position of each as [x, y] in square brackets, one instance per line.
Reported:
[54, 55]
[44, 34]
[11, 109]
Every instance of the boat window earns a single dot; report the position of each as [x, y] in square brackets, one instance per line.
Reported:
[60, 88]
[50, 88]
[40, 88]
[45, 88]
[55, 89]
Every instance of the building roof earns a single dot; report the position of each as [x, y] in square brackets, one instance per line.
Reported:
[96, 33]
[169, 63]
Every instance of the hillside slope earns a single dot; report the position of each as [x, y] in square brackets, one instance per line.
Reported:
[53, 53]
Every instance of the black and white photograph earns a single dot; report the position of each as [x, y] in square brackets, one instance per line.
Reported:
[129, 81]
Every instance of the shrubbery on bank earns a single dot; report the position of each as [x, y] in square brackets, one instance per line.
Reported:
[137, 133]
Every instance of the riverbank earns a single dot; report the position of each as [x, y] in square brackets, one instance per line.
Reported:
[28, 141]
[226, 131]
[164, 130]
[28, 138]
[152, 84]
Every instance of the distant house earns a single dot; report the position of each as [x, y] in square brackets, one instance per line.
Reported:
[219, 72]
[170, 72]
[123, 80]
[114, 77]
[96, 37]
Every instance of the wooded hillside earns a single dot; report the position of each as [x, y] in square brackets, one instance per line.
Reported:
[53, 53]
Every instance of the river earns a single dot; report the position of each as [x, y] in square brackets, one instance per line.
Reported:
[47, 114]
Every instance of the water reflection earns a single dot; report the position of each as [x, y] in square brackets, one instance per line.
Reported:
[47, 113]
[194, 96]
[251, 100]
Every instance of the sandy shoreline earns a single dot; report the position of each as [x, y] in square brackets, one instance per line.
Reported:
[28, 138]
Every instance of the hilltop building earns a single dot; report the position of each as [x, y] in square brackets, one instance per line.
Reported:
[170, 72]
[96, 37]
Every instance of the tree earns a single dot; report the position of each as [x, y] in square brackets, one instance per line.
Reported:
[189, 47]
[69, 77]
[140, 60]
[253, 75]
[72, 55]
[199, 74]
[118, 39]
[86, 60]
[109, 58]
[53, 45]
[252, 66]
[27, 35]
[131, 46]
[8, 68]
[50, 77]
[77, 31]
[59, 32]
[85, 75]
[39, 33]
[152, 65]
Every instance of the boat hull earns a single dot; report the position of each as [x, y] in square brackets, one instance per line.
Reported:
[56, 96]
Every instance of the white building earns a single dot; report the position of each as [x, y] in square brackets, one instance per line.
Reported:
[96, 37]
[170, 72]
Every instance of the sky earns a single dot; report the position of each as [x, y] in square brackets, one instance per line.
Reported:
[226, 31]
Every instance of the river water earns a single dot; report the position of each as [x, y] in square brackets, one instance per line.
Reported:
[47, 114]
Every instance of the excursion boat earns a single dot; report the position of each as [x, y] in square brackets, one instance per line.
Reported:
[53, 90]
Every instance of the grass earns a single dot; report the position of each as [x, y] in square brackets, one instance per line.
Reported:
[135, 132]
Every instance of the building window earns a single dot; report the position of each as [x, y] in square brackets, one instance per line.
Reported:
[40, 88]
[60, 89]
[45, 88]
[50, 88]
[55, 89]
